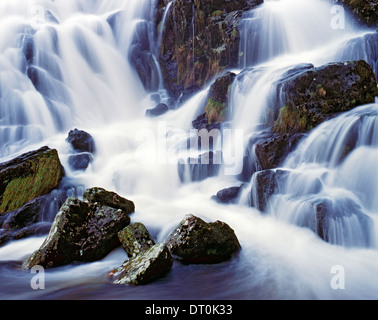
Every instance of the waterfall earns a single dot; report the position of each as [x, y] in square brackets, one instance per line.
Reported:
[83, 64]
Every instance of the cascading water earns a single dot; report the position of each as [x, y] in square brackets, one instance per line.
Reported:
[64, 65]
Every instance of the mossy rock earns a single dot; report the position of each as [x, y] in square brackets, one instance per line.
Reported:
[315, 95]
[197, 242]
[144, 268]
[29, 176]
[82, 231]
[135, 239]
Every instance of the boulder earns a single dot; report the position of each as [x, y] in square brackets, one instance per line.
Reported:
[83, 146]
[83, 231]
[228, 195]
[81, 141]
[135, 239]
[148, 266]
[100, 196]
[197, 242]
[315, 95]
[27, 177]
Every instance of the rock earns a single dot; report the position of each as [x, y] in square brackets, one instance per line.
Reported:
[135, 239]
[228, 195]
[217, 104]
[27, 177]
[80, 161]
[149, 265]
[319, 94]
[159, 110]
[195, 241]
[83, 231]
[264, 185]
[207, 165]
[364, 10]
[273, 150]
[81, 141]
[108, 198]
[194, 61]
[341, 222]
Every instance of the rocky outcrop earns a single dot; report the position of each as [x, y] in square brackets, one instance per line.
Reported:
[200, 39]
[84, 230]
[27, 177]
[217, 109]
[197, 242]
[315, 95]
[305, 97]
[364, 10]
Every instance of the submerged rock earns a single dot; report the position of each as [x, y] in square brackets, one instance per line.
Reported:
[84, 147]
[81, 141]
[197, 242]
[84, 231]
[149, 265]
[159, 110]
[27, 177]
[228, 195]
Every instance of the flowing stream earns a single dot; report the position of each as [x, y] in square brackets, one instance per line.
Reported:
[64, 65]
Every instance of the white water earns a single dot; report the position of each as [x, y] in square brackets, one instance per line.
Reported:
[88, 83]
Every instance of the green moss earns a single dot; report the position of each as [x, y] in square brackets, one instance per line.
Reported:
[215, 111]
[44, 175]
[217, 13]
[290, 120]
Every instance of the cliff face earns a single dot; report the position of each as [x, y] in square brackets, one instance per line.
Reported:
[200, 39]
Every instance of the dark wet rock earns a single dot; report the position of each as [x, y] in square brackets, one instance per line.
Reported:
[80, 161]
[217, 103]
[28, 177]
[264, 185]
[364, 10]
[159, 110]
[135, 239]
[197, 242]
[101, 196]
[81, 141]
[341, 222]
[272, 151]
[144, 268]
[319, 94]
[186, 60]
[228, 195]
[83, 231]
